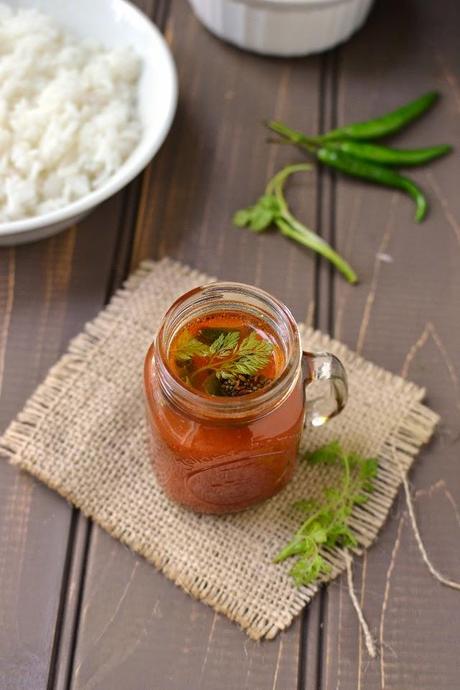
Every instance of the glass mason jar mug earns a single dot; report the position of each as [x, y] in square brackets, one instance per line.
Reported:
[223, 451]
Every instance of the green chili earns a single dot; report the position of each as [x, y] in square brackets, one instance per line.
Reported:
[293, 136]
[387, 124]
[361, 149]
[375, 173]
[387, 155]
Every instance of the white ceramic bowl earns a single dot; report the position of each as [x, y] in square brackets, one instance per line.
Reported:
[283, 27]
[113, 23]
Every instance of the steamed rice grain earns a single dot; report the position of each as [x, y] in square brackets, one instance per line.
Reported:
[68, 114]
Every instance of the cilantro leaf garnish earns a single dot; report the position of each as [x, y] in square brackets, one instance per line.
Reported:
[249, 357]
[226, 356]
[187, 347]
[224, 344]
[271, 209]
[326, 524]
[258, 217]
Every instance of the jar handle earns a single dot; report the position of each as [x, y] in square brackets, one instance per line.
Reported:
[326, 388]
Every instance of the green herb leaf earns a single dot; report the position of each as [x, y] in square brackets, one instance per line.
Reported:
[326, 523]
[326, 455]
[208, 335]
[272, 209]
[254, 344]
[224, 344]
[187, 347]
[211, 385]
[304, 571]
[317, 533]
[252, 355]
[307, 505]
[258, 217]
[299, 544]
[226, 356]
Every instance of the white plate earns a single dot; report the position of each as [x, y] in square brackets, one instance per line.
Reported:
[113, 23]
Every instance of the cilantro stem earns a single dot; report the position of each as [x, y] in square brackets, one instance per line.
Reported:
[247, 357]
[272, 209]
[216, 366]
[327, 524]
[207, 367]
[276, 184]
[293, 228]
[346, 479]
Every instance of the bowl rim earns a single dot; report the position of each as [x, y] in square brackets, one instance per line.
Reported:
[133, 165]
[280, 5]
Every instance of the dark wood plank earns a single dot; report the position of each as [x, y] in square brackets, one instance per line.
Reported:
[135, 628]
[134, 623]
[216, 160]
[47, 291]
[404, 316]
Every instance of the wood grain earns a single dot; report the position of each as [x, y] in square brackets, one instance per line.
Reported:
[214, 161]
[47, 291]
[405, 316]
[136, 624]
[80, 611]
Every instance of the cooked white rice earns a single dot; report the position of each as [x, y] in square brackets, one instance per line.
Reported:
[68, 113]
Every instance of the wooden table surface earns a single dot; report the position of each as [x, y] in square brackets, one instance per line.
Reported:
[80, 611]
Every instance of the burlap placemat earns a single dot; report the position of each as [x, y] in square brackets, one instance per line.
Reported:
[83, 434]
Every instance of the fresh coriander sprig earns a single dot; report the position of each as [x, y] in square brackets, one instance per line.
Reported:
[326, 525]
[249, 357]
[224, 344]
[187, 347]
[227, 357]
[272, 209]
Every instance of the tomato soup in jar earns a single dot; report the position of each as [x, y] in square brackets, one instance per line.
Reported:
[225, 390]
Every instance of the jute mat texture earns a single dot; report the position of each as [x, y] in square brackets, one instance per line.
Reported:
[83, 434]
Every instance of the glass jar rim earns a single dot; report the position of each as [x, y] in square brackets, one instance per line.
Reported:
[202, 299]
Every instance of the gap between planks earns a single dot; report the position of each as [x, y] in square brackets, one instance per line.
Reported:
[311, 674]
[79, 540]
[311, 636]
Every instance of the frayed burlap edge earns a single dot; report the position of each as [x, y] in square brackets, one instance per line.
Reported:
[398, 452]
